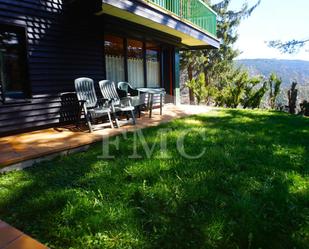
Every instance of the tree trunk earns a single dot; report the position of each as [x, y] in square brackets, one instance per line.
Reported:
[190, 75]
[207, 83]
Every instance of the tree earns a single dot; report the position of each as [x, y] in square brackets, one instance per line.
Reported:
[288, 47]
[253, 95]
[274, 89]
[304, 108]
[198, 87]
[188, 63]
[235, 88]
[219, 62]
[216, 64]
[256, 98]
[292, 97]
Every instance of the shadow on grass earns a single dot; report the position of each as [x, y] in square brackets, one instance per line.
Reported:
[249, 190]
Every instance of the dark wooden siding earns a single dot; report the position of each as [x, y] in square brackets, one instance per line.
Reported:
[61, 47]
[63, 43]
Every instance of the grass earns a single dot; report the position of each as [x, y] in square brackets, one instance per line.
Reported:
[249, 190]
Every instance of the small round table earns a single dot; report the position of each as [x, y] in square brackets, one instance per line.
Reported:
[151, 92]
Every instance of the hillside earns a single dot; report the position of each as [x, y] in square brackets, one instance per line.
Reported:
[288, 70]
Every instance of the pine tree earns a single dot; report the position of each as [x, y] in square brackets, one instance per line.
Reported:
[216, 64]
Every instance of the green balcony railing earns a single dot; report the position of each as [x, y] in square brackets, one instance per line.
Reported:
[195, 11]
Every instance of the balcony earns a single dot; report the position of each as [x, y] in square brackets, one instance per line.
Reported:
[196, 12]
[185, 23]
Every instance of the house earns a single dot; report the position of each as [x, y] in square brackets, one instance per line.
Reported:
[46, 44]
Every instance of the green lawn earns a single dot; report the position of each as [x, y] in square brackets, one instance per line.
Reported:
[249, 190]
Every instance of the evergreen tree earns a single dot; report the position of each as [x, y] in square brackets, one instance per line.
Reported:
[217, 64]
[198, 87]
[253, 96]
[288, 47]
[292, 97]
[256, 98]
[274, 89]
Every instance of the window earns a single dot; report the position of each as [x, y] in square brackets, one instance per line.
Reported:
[13, 63]
[114, 58]
[136, 63]
[153, 64]
[132, 60]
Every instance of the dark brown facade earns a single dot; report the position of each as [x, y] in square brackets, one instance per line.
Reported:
[60, 47]
[56, 42]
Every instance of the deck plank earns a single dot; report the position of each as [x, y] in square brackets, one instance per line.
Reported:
[11, 238]
[32, 145]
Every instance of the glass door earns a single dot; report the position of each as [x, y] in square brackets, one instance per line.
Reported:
[153, 65]
[114, 58]
[135, 63]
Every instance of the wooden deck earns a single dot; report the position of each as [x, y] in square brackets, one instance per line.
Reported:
[11, 238]
[23, 150]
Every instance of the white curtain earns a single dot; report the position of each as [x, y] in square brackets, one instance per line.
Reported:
[136, 72]
[114, 68]
[153, 73]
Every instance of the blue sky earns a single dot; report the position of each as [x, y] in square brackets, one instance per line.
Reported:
[273, 20]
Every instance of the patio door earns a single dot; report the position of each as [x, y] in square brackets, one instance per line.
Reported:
[136, 73]
[153, 65]
[168, 72]
[114, 58]
[135, 61]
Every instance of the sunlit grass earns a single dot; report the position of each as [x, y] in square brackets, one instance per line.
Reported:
[249, 190]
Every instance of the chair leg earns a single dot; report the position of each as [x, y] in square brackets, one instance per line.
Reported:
[79, 115]
[110, 120]
[150, 105]
[161, 103]
[139, 111]
[116, 120]
[133, 117]
[89, 123]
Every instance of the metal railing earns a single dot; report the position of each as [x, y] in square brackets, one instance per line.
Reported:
[195, 11]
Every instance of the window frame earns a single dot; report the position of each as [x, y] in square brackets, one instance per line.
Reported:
[144, 42]
[26, 94]
[125, 65]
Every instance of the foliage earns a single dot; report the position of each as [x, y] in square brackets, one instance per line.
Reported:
[288, 47]
[199, 88]
[191, 62]
[234, 90]
[289, 70]
[253, 95]
[304, 108]
[292, 97]
[249, 190]
[217, 63]
[274, 84]
[241, 89]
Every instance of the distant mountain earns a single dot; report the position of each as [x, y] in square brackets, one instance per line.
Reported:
[288, 70]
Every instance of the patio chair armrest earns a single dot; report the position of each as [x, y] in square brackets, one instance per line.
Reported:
[102, 102]
[133, 92]
[82, 103]
[126, 101]
[82, 106]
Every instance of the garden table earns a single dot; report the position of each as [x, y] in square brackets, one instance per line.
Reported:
[151, 92]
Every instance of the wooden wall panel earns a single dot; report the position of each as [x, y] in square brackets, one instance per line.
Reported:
[61, 47]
